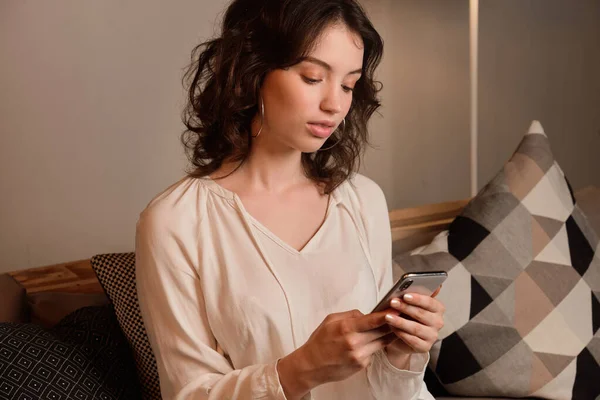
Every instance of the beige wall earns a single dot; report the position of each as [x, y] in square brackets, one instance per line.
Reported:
[90, 107]
[540, 59]
[91, 100]
[424, 141]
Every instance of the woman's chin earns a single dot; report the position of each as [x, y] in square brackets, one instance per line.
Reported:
[310, 148]
[308, 145]
[314, 144]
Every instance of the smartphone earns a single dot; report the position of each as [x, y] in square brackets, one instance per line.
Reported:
[424, 283]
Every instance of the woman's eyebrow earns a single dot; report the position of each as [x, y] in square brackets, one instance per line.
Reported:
[327, 66]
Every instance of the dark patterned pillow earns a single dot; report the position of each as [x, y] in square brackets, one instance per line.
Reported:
[116, 273]
[85, 356]
[523, 289]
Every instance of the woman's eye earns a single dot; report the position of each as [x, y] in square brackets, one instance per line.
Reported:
[310, 81]
[347, 89]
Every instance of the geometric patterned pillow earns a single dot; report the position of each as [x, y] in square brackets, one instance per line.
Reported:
[85, 356]
[523, 290]
[116, 273]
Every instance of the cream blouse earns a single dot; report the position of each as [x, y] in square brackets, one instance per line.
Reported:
[211, 277]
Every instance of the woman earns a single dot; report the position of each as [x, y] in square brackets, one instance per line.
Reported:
[257, 272]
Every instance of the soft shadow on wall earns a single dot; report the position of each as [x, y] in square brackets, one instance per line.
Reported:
[538, 59]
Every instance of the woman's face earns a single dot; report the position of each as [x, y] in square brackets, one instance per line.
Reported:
[305, 103]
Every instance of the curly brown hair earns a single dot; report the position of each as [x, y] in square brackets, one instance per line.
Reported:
[226, 73]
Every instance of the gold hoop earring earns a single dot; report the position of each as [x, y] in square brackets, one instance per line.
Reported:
[337, 141]
[262, 118]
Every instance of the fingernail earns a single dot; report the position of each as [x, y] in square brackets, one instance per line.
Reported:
[408, 297]
[389, 317]
[395, 303]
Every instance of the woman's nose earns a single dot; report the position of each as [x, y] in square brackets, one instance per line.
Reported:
[332, 102]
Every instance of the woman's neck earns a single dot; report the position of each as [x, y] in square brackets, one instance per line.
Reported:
[268, 168]
[273, 170]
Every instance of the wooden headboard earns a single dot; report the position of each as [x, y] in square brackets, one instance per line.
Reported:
[411, 228]
[414, 227]
[73, 277]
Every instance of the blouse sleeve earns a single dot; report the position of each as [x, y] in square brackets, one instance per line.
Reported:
[174, 313]
[384, 378]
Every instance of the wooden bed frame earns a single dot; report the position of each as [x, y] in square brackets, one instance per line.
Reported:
[411, 227]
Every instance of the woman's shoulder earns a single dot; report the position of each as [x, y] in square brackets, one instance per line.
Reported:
[363, 191]
[182, 200]
[366, 201]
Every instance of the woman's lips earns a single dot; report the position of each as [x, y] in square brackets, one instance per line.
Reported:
[320, 130]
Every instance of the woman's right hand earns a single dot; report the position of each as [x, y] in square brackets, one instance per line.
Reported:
[342, 345]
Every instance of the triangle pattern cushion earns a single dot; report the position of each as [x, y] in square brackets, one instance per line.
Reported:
[523, 292]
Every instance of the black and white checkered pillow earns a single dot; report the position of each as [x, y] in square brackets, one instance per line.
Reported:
[116, 273]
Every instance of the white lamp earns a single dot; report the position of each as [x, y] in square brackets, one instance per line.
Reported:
[473, 44]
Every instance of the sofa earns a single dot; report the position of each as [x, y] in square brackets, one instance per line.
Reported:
[45, 296]
[86, 305]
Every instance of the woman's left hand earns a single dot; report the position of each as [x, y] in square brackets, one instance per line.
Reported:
[417, 335]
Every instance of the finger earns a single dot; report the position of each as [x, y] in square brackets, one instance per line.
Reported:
[414, 328]
[433, 320]
[379, 344]
[343, 315]
[418, 314]
[374, 334]
[437, 291]
[427, 302]
[369, 322]
[416, 343]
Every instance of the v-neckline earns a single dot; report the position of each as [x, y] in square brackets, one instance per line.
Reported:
[271, 235]
[331, 200]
